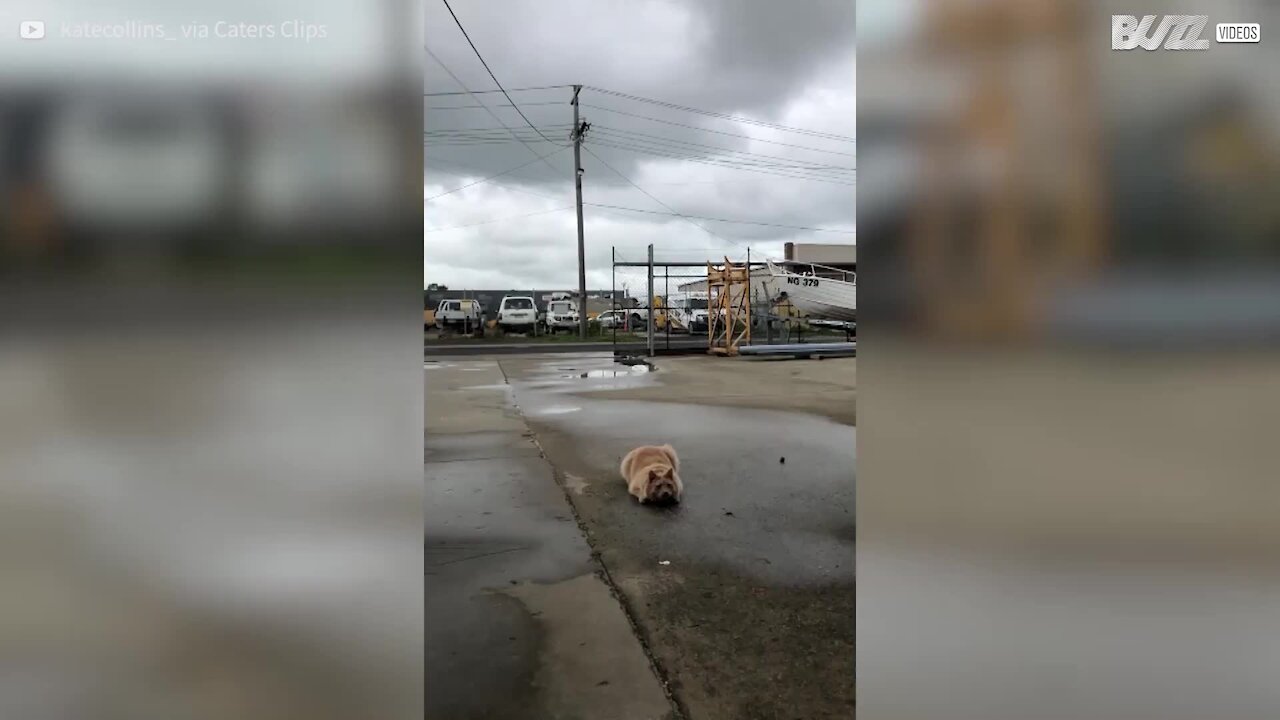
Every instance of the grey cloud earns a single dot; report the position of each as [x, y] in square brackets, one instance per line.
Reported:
[764, 52]
[786, 63]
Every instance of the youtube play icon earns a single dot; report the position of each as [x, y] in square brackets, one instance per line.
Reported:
[31, 30]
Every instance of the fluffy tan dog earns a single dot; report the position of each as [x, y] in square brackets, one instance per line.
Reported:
[652, 473]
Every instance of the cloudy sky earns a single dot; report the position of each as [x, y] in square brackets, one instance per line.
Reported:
[787, 68]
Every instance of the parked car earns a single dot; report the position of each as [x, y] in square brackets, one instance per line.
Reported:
[459, 315]
[638, 318]
[633, 319]
[561, 315]
[611, 319]
[517, 313]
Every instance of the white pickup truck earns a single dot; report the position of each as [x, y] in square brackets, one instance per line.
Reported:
[459, 315]
[688, 310]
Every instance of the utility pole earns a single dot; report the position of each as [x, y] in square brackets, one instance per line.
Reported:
[579, 128]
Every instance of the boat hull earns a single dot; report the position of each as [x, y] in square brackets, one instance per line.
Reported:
[818, 297]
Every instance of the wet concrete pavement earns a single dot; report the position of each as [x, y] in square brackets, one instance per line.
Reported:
[744, 593]
[518, 622]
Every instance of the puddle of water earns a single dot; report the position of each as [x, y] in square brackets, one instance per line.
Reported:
[778, 521]
[633, 370]
[558, 410]
[548, 385]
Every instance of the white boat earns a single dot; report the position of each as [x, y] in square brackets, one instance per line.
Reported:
[821, 292]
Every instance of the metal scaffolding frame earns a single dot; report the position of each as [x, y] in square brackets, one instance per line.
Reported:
[755, 319]
[666, 276]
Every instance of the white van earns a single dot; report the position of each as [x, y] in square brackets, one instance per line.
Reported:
[517, 313]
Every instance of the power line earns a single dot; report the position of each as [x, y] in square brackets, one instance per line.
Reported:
[504, 172]
[646, 192]
[702, 129]
[463, 137]
[491, 113]
[477, 107]
[442, 145]
[741, 222]
[629, 134]
[707, 160]
[604, 206]
[726, 116]
[527, 192]
[720, 160]
[705, 154]
[464, 91]
[725, 162]
[486, 130]
[466, 169]
[648, 118]
[617, 184]
[472, 143]
[486, 67]
[465, 140]
[792, 172]
[736, 163]
[501, 219]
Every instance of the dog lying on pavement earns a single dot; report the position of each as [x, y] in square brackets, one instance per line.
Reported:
[652, 473]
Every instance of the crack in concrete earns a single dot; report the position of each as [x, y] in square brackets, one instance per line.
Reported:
[481, 555]
[678, 709]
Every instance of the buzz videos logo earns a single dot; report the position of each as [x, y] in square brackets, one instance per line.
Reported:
[1176, 32]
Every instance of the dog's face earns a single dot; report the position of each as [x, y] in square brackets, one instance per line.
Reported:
[662, 485]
